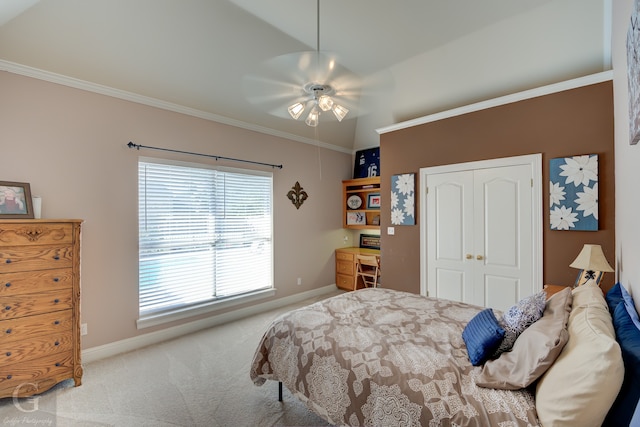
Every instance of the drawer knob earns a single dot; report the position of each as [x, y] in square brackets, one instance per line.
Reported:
[8, 261]
[9, 377]
[58, 363]
[56, 279]
[56, 257]
[8, 331]
[56, 300]
[57, 343]
[57, 322]
[8, 285]
[8, 353]
[8, 308]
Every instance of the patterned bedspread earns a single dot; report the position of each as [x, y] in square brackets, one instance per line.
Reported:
[380, 357]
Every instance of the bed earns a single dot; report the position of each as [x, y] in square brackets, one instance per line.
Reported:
[387, 358]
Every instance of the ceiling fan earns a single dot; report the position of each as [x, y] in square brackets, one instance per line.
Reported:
[305, 84]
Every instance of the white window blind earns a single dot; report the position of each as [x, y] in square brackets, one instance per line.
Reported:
[204, 235]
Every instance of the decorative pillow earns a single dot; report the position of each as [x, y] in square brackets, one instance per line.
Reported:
[630, 306]
[534, 350]
[614, 297]
[482, 336]
[581, 385]
[628, 337]
[520, 317]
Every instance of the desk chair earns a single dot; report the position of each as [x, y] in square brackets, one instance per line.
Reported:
[367, 267]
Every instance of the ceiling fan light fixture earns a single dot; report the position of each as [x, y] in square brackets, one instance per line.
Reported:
[325, 102]
[339, 111]
[314, 117]
[296, 110]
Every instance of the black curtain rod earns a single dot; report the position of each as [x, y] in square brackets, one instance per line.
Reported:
[138, 147]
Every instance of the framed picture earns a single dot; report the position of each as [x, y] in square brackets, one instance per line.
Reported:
[15, 200]
[373, 201]
[369, 241]
[633, 74]
[403, 199]
[356, 218]
[573, 193]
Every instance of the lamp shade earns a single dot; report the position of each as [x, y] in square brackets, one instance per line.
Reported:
[591, 258]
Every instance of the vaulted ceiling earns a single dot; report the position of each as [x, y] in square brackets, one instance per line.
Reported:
[199, 53]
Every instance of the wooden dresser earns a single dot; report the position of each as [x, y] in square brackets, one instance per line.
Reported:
[39, 305]
[346, 266]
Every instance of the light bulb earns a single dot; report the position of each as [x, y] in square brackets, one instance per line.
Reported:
[314, 117]
[296, 110]
[339, 111]
[325, 102]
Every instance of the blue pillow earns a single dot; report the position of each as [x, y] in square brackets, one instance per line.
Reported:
[614, 297]
[482, 336]
[628, 336]
[630, 306]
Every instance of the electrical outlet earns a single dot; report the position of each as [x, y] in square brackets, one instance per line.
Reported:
[299, 280]
[83, 329]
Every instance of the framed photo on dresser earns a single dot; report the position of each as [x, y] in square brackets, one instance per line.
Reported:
[15, 200]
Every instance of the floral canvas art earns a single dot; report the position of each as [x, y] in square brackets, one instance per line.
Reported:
[403, 199]
[573, 193]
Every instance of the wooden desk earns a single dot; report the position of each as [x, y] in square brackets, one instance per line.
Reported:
[346, 266]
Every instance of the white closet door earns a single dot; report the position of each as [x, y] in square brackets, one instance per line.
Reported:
[450, 231]
[479, 235]
[502, 236]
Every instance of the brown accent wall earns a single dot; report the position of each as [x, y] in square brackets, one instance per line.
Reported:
[572, 122]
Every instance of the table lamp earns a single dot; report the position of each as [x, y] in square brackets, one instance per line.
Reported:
[592, 263]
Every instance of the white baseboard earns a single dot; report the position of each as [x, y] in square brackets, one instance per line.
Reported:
[107, 350]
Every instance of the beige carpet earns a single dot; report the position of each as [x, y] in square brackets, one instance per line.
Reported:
[198, 380]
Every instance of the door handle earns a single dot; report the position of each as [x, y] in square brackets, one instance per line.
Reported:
[469, 256]
[479, 257]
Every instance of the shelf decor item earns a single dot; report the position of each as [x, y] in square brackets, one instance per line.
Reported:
[356, 218]
[354, 202]
[15, 200]
[373, 201]
[573, 193]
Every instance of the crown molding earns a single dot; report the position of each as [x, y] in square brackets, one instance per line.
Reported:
[48, 76]
[507, 99]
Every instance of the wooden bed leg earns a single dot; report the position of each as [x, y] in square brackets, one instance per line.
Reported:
[279, 391]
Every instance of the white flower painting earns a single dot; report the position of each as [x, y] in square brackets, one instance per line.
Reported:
[573, 193]
[402, 199]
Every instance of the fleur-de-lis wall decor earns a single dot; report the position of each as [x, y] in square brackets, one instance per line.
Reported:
[297, 195]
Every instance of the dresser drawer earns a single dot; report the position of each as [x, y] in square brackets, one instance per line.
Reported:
[40, 281]
[25, 328]
[31, 304]
[35, 376]
[20, 351]
[345, 267]
[35, 234]
[16, 258]
[344, 256]
[344, 282]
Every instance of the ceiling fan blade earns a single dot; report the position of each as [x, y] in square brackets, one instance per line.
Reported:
[281, 81]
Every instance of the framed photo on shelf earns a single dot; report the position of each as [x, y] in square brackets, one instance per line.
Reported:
[356, 218]
[373, 201]
[15, 200]
[370, 241]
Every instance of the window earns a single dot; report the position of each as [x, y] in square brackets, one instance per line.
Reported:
[205, 237]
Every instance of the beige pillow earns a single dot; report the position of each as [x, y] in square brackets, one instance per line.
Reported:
[580, 387]
[535, 349]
